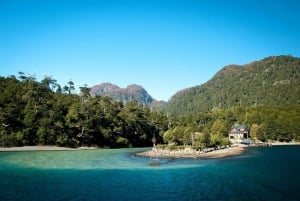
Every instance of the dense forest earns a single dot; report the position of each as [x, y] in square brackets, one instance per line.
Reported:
[265, 95]
[44, 113]
[273, 81]
[211, 129]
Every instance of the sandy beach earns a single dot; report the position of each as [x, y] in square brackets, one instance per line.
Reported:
[190, 153]
[43, 148]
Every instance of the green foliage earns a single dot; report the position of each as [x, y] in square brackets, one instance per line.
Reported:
[33, 113]
[206, 138]
[260, 135]
[122, 141]
[272, 81]
[263, 95]
[211, 129]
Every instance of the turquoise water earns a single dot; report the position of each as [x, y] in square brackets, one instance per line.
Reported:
[259, 174]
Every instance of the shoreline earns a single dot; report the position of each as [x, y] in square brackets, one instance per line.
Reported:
[190, 153]
[213, 154]
[43, 148]
[284, 143]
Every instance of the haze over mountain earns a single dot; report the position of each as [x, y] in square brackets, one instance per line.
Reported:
[271, 81]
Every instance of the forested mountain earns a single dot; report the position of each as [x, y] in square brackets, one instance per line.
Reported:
[273, 81]
[130, 93]
[264, 95]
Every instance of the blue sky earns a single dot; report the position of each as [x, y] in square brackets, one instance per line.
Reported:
[163, 45]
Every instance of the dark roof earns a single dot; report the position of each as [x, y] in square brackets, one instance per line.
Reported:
[240, 127]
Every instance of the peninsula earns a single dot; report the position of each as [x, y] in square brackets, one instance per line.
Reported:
[191, 153]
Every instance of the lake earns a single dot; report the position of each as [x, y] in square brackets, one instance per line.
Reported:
[261, 173]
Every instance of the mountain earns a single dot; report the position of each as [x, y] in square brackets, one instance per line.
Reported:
[130, 93]
[271, 81]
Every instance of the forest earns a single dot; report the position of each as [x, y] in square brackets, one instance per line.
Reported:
[273, 81]
[210, 129]
[45, 113]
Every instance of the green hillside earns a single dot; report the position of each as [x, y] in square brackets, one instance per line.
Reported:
[273, 81]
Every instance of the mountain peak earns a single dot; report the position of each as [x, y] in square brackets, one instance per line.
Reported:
[103, 88]
[132, 92]
[134, 88]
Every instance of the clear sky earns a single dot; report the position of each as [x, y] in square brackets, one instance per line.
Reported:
[163, 45]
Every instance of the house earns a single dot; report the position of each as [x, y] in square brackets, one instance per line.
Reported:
[238, 133]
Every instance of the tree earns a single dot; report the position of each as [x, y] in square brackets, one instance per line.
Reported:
[206, 138]
[219, 128]
[260, 135]
[188, 136]
[69, 88]
[169, 137]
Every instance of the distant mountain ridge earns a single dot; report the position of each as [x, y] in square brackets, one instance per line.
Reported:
[271, 81]
[130, 93]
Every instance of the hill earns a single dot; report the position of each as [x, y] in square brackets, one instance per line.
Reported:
[130, 93]
[272, 81]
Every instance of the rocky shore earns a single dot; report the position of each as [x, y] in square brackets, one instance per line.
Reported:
[191, 153]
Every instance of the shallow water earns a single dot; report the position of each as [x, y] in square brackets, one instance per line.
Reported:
[258, 174]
